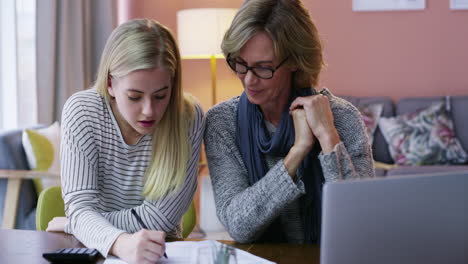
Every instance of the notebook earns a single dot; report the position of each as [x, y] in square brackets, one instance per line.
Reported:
[406, 219]
[195, 252]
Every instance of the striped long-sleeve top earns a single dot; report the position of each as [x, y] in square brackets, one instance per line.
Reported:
[102, 176]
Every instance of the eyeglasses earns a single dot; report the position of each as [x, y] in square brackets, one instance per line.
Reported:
[259, 71]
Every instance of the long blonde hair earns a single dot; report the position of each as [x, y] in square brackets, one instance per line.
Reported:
[291, 29]
[145, 44]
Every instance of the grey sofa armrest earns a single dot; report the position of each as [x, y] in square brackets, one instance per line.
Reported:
[12, 157]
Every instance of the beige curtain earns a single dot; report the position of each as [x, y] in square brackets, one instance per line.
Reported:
[70, 36]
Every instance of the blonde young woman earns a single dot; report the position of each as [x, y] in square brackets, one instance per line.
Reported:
[271, 149]
[130, 142]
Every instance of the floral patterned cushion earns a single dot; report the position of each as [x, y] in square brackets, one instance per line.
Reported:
[425, 137]
[370, 115]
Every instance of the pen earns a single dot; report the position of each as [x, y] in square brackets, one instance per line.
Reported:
[141, 223]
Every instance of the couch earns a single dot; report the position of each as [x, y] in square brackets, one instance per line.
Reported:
[12, 156]
[381, 153]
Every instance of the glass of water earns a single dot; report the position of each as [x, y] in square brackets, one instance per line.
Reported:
[217, 253]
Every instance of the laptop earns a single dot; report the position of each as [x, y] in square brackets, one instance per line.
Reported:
[405, 219]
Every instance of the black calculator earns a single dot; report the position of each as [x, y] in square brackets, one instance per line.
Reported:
[72, 255]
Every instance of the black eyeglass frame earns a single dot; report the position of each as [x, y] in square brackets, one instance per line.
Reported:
[252, 68]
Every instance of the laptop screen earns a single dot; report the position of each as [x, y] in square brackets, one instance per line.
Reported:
[406, 219]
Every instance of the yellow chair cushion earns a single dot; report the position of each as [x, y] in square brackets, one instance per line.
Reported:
[189, 220]
[49, 205]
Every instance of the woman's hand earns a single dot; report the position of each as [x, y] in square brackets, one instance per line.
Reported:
[57, 224]
[304, 138]
[142, 247]
[303, 143]
[320, 119]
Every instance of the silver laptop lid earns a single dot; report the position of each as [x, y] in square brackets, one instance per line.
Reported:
[407, 219]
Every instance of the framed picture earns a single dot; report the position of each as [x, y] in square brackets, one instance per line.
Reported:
[459, 4]
[388, 5]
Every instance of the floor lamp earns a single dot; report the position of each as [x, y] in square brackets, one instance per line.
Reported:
[200, 32]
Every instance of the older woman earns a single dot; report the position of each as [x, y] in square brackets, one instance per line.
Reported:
[271, 149]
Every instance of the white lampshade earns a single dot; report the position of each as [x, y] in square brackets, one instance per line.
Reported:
[201, 30]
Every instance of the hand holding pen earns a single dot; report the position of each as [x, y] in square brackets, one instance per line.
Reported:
[145, 246]
[141, 223]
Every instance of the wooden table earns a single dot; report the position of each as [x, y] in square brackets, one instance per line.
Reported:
[24, 246]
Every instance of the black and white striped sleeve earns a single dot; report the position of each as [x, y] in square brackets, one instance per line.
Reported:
[78, 155]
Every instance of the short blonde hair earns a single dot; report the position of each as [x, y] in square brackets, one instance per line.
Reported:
[291, 29]
[146, 44]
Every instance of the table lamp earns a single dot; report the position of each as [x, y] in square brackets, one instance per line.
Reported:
[200, 32]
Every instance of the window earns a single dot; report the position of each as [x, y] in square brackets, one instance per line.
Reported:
[18, 60]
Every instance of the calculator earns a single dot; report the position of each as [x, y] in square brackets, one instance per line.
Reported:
[72, 255]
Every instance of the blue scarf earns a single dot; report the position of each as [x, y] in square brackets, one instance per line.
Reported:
[254, 142]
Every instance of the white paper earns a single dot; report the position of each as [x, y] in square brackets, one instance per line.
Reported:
[191, 252]
[458, 4]
[387, 5]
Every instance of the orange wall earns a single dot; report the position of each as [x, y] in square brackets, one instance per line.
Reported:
[398, 54]
[196, 74]
[418, 53]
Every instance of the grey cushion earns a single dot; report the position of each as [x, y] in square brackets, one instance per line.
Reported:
[380, 146]
[12, 153]
[458, 106]
[407, 170]
[12, 157]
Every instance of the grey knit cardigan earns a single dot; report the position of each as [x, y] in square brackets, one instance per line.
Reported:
[246, 210]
